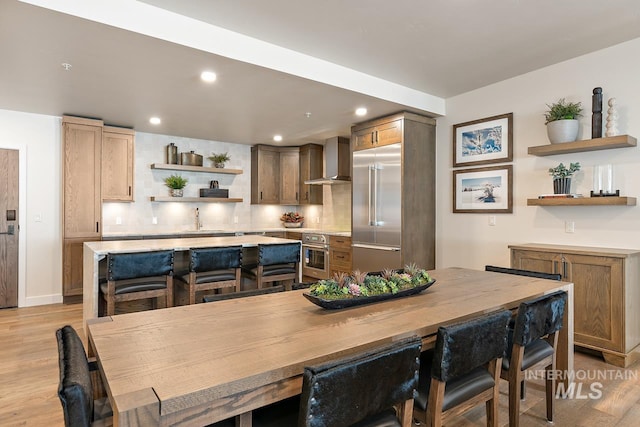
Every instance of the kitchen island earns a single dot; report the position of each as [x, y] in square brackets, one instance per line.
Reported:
[94, 252]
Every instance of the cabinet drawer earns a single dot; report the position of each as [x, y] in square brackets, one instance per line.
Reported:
[340, 242]
[340, 257]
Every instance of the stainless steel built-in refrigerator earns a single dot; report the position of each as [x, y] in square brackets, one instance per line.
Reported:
[377, 208]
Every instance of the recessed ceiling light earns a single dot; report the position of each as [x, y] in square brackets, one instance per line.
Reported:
[155, 120]
[208, 76]
[277, 138]
[361, 111]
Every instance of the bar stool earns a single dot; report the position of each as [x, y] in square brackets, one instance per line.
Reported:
[276, 263]
[211, 269]
[136, 276]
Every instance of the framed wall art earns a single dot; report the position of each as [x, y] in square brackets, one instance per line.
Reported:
[483, 141]
[483, 190]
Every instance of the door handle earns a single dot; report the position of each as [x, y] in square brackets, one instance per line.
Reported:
[10, 230]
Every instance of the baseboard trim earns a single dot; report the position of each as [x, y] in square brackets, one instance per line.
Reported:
[43, 300]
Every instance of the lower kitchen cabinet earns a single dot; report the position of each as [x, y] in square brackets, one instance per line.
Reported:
[340, 254]
[72, 259]
[606, 294]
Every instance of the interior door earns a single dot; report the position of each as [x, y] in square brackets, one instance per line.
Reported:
[8, 228]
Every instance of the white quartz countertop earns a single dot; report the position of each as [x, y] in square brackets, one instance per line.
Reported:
[249, 229]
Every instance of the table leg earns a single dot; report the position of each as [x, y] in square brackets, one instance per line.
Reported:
[244, 420]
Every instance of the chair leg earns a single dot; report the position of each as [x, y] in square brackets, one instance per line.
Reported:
[169, 291]
[110, 298]
[550, 386]
[434, 403]
[259, 277]
[405, 413]
[514, 403]
[492, 404]
[522, 390]
[238, 279]
[192, 288]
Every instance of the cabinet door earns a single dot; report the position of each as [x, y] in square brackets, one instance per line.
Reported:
[289, 176]
[363, 139]
[81, 180]
[117, 165]
[72, 259]
[310, 168]
[389, 133]
[598, 300]
[265, 175]
[544, 262]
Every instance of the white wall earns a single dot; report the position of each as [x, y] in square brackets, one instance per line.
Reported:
[466, 240]
[37, 137]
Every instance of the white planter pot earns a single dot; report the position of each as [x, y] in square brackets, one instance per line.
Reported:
[563, 131]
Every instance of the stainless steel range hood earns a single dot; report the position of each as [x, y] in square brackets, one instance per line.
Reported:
[336, 162]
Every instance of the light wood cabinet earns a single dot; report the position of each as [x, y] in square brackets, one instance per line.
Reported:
[339, 254]
[117, 164]
[606, 293]
[384, 132]
[82, 207]
[289, 176]
[265, 175]
[310, 168]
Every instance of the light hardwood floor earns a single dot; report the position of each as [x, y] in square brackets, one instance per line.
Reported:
[29, 380]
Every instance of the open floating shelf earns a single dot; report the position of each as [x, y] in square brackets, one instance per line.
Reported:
[620, 141]
[195, 199]
[584, 201]
[163, 166]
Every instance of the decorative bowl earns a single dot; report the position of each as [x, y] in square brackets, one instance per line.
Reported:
[292, 224]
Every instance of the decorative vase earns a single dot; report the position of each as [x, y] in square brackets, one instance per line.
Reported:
[219, 165]
[176, 192]
[561, 131]
[562, 186]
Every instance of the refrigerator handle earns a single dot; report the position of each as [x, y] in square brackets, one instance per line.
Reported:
[370, 198]
[375, 196]
[380, 248]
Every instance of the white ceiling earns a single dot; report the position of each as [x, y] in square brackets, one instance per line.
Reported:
[387, 56]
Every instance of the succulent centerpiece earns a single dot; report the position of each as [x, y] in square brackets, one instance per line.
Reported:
[360, 287]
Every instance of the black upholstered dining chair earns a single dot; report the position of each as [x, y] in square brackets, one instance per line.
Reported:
[242, 294]
[371, 389]
[138, 275]
[463, 370]
[533, 341]
[519, 272]
[211, 269]
[76, 386]
[276, 263]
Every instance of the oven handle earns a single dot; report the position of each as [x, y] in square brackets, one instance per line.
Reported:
[319, 247]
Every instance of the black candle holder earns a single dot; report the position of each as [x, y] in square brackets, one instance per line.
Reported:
[603, 194]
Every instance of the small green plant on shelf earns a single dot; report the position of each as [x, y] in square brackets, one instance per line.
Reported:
[219, 160]
[175, 182]
[561, 171]
[563, 110]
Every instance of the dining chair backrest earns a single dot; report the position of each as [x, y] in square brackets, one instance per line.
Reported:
[463, 347]
[212, 259]
[243, 294]
[343, 392]
[528, 273]
[539, 317]
[285, 253]
[75, 390]
[123, 266]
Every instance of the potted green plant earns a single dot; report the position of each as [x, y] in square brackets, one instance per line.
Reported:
[219, 159]
[176, 183]
[562, 121]
[562, 177]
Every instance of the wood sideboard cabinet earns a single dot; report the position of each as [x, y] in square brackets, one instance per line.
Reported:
[606, 294]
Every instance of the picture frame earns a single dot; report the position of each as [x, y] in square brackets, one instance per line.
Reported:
[483, 141]
[483, 190]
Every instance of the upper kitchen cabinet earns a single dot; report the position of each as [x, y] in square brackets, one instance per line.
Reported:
[117, 164]
[378, 133]
[310, 168]
[82, 151]
[265, 174]
[289, 176]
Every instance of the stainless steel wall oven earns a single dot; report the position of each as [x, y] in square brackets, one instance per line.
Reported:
[315, 255]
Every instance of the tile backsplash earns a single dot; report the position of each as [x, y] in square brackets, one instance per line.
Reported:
[144, 216]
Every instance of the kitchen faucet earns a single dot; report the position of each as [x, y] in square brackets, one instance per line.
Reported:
[198, 223]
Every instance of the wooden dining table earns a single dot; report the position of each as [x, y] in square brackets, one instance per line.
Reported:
[198, 364]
